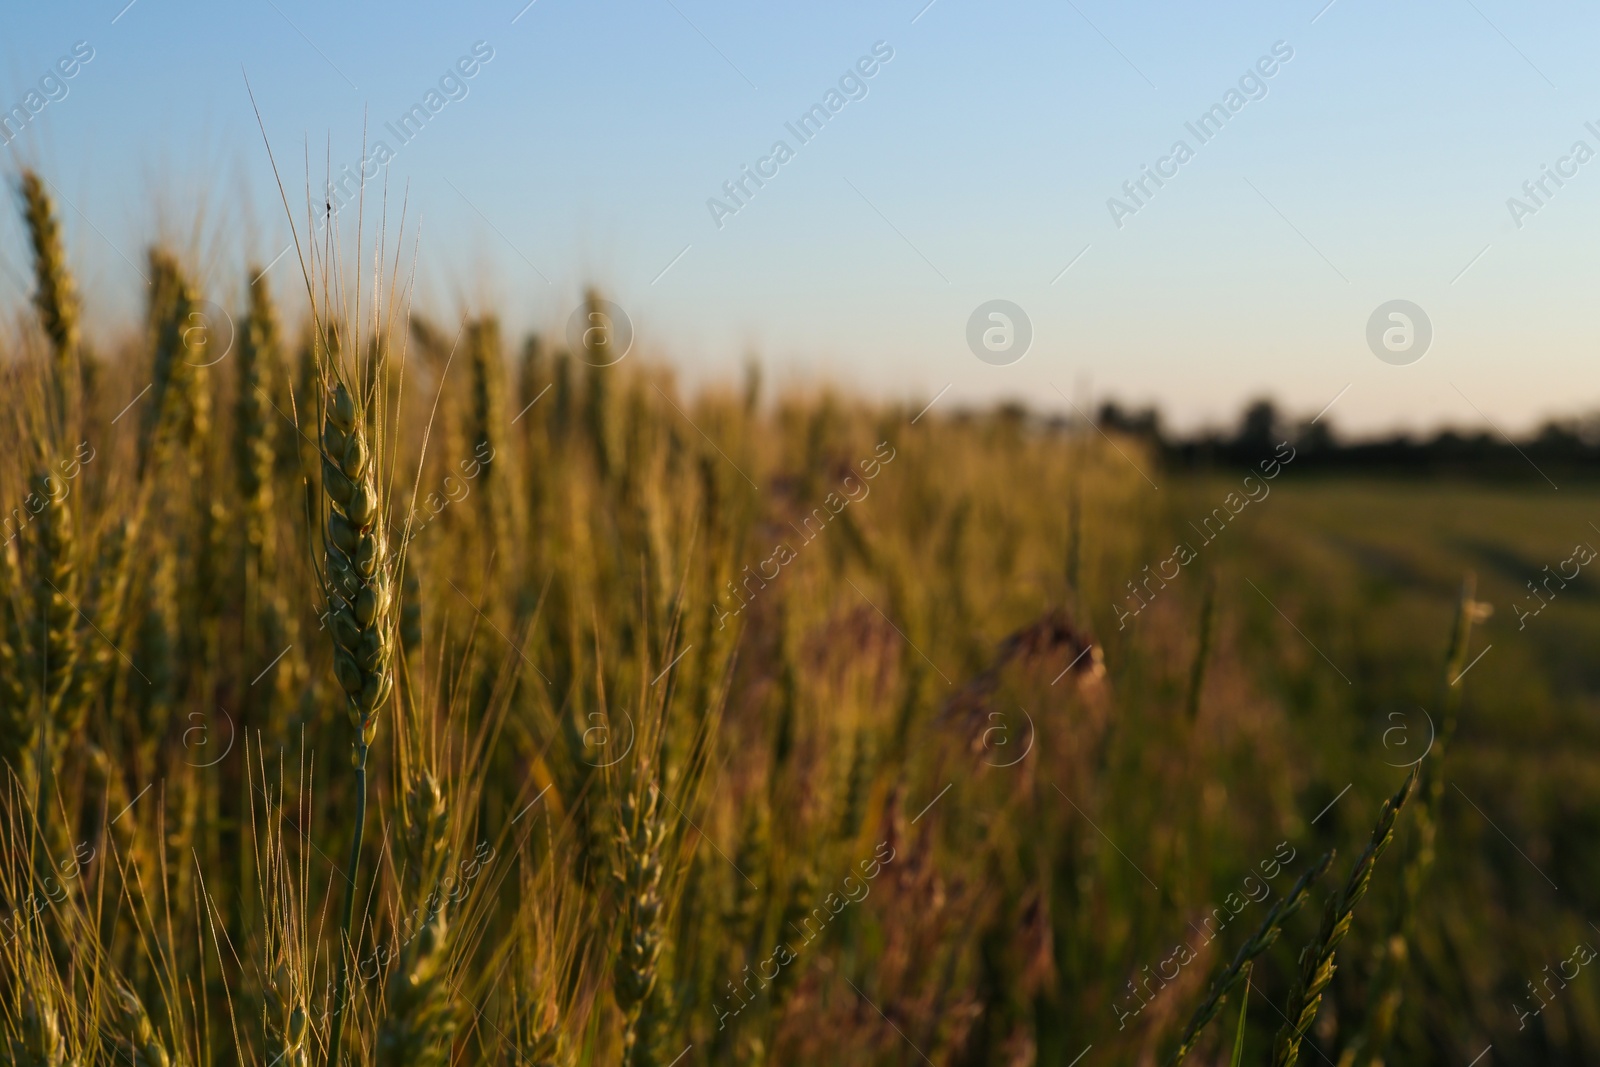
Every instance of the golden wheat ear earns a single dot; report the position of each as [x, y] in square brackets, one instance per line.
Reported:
[56, 296]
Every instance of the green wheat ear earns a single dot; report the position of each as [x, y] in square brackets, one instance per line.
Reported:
[357, 578]
[357, 561]
[641, 833]
[56, 296]
[1229, 977]
[1316, 959]
[254, 455]
[135, 1032]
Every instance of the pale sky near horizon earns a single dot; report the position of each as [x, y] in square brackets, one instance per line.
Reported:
[1375, 163]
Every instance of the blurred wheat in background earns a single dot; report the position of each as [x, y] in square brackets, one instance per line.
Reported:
[370, 693]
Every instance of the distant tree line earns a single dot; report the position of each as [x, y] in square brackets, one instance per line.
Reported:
[1568, 446]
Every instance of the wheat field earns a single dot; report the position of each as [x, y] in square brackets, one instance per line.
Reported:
[379, 689]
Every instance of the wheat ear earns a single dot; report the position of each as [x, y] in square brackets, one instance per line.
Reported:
[39, 1041]
[1231, 975]
[1387, 986]
[419, 1019]
[16, 707]
[259, 355]
[135, 1033]
[1316, 959]
[640, 835]
[56, 296]
[356, 576]
[285, 1022]
[179, 406]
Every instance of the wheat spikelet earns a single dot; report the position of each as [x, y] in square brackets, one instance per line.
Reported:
[106, 604]
[1386, 989]
[419, 1019]
[55, 653]
[857, 781]
[54, 583]
[1316, 959]
[546, 968]
[259, 355]
[357, 573]
[640, 835]
[561, 396]
[136, 1038]
[797, 908]
[597, 353]
[56, 296]
[16, 705]
[356, 577]
[531, 373]
[158, 656]
[284, 1022]
[179, 411]
[486, 436]
[40, 1042]
[1231, 975]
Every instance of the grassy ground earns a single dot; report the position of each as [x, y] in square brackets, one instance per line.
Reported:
[1368, 574]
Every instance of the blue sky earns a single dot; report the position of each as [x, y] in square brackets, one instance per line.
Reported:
[977, 166]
